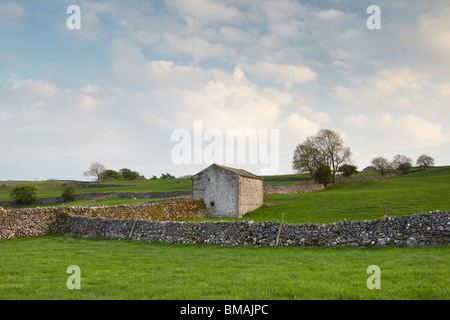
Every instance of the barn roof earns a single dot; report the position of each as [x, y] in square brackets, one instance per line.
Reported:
[240, 172]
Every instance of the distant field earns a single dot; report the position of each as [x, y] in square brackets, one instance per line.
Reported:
[44, 190]
[35, 268]
[362, 199]
[54, 188]
[48, 189]
[352, 200]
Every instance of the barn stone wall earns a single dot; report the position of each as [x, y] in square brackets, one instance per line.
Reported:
[251, 194]
[219, 190]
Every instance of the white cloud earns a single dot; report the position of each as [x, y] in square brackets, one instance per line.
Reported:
[196, 47]
[231, 34]
[329, 14]
[318, 117]
[384, 84]
[89, 88]
[282, 73]
[87, 102]
[414, 130]
[404, 131]
[229, 97]
[207, 10]
[38, 88]
[445, 89]
[434, 36]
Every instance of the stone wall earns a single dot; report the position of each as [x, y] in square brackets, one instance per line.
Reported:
[37, 221]
[219, 189]
[301, 187]
[251, 195]
[286, 179]
[310, 186]
[418, 229]
[128, 222]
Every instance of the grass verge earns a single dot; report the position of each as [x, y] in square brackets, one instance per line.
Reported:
[35, 268]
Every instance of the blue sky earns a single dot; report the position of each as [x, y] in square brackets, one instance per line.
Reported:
[115, 90]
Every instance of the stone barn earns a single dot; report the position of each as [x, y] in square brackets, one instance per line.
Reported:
[227, 192]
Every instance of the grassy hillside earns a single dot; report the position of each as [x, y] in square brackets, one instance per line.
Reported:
[362, 199]
[46, 189]
[353, 199]
[54, 189]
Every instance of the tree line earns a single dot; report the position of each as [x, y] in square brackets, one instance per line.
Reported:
[101, 174]
[401, 163]
[324, 154]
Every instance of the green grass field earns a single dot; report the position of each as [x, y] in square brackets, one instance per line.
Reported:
[362, 199]
[45, 189]
[352, 200]
[35, 268]
[53, 189]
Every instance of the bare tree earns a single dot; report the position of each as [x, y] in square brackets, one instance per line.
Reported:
[425, 161]
[305, 158]
[400, 159]
[402, 163]
[96, 170]
[324, 148]
[381, 164]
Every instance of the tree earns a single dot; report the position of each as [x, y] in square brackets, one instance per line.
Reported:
[69, 192]
[111, 175]
[402, 163]
[348, 169]
[404, 167]
[381, 164]
[305, 158]
[424, 161]
[323, 175]
[326, 147]
[166, 176]
[127, 174]
[24, 194]
[96, 170]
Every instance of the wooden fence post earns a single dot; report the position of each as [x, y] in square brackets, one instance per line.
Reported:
[132, 228]
[85, 228]
[279, 230]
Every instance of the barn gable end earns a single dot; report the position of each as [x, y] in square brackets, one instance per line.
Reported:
[227, 192]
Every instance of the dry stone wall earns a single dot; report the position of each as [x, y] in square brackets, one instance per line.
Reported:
[301, 187]
[39, 221]
[418, 229]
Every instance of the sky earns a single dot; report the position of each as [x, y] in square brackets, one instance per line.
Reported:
[170, 86]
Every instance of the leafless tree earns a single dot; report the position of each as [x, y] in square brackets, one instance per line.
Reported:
[326, 147]
[95, 170]
[381, 164]
[425, 161]
[401, 159]
[305, 158]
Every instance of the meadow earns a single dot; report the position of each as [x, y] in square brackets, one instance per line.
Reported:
[35, 268]
[349, 199]
[362, 199]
